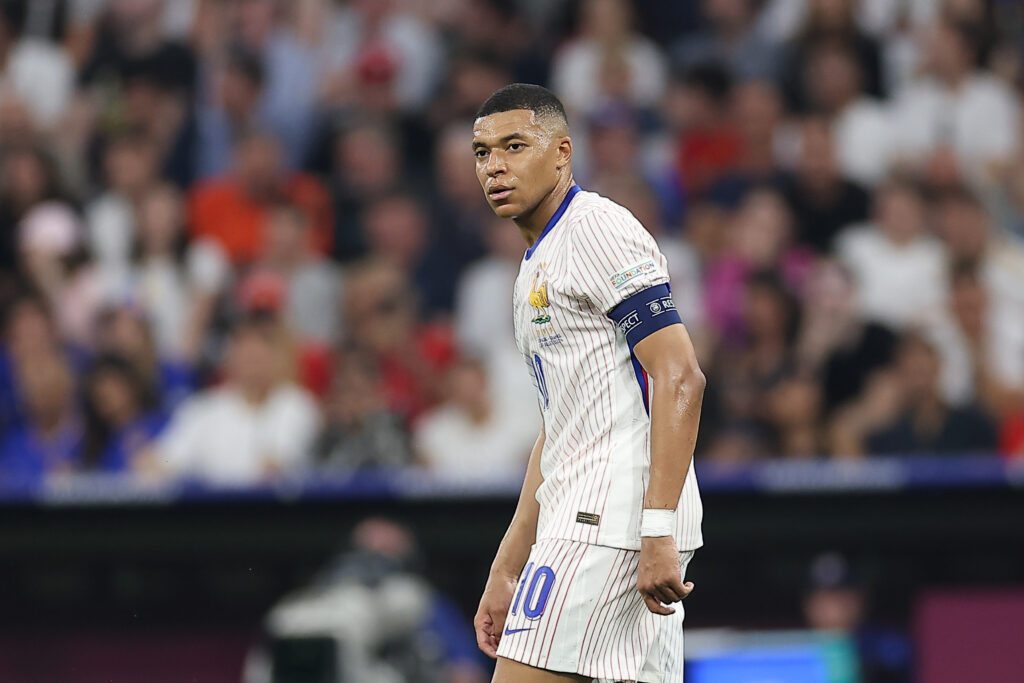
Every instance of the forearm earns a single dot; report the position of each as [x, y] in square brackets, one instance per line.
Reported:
[522, 531]
[675, 415]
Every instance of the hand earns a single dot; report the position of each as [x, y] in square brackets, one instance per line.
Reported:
[490, 615]
[660, 582]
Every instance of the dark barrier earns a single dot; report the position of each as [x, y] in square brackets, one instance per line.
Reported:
[105, 554]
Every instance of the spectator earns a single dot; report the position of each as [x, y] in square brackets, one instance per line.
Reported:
[759, 238]
[49, 441]
[359, 431]
[983, 351]
[838, 599]
[381, 318]
[29, 332]
[257, 427]
[56, 263]
[399, 235]
[795, 412]
[124, 330]
[941, 114]
[450, 439]
[749, 373]
[312, 285]
[175, 282]
[926, 423]
[35, 71]
[239, 91]
[130, 166]
[607, 44]
[374, 46]
[366, 165]
[756, 111]
[288, 84]
[708, 146]
[830, 21]
[457, 236]
[120, 421]
[861, 126]
[895, 253]
[729, 38]
[822, 200]
[835, 342]
[232, 210]
[480, 326]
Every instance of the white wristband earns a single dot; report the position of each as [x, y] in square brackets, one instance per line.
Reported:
[657, 523]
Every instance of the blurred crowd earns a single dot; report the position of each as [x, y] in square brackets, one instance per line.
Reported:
[244, 238]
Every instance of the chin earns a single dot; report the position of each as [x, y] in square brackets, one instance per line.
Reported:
[507, 210]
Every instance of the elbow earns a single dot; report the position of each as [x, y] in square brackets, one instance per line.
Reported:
[694, 383]
[687, 383]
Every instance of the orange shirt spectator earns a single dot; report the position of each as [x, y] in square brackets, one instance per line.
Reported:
[232, 210]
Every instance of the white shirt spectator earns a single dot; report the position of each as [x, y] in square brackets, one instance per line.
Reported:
[41, 75]
[219, 437]
[863, 141]
[457, 449]
[482, 318]
[576, 74]
[980, 121]
[1002, 276]
[414, 44]
[168, 291]
[899, 285]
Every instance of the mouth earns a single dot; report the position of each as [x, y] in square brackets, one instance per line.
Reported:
[498, 192]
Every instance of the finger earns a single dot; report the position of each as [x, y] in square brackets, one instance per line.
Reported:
[676, 589]
[484, 640]
[486, 643]
[665, 594]
[654, 606]
[687, 588]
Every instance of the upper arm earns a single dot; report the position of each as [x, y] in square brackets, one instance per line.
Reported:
[668, 353]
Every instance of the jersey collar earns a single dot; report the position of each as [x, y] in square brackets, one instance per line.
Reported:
[554, 219]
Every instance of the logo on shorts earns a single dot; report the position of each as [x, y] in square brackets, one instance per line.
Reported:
[588, 518]
[619, 279]
[513, 631]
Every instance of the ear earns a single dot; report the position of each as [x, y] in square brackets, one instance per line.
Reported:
[564, 153]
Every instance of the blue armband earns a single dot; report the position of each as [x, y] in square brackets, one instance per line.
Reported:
[645, 313]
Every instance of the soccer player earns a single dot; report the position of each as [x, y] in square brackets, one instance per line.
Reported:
[584, 581]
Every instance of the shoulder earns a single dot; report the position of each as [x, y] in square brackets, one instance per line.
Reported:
[292, 397]
[592, 216]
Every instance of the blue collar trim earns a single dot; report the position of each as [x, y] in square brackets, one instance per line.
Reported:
[554, 219]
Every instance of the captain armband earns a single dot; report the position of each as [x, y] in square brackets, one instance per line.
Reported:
[644, 313]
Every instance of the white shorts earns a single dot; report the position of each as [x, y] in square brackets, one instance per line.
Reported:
[576, 609]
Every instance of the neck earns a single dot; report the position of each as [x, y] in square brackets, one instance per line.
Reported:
[531, 225]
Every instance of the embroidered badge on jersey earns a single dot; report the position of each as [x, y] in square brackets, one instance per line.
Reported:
[619, 279]
[538, 298]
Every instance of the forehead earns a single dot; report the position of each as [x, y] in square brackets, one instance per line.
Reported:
[498, 125]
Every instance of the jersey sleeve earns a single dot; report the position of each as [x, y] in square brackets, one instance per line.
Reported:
[613, 257]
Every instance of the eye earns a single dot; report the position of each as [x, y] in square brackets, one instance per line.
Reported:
[480, 153]
[516, 146]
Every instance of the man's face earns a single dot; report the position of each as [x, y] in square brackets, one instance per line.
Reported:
[518, 160]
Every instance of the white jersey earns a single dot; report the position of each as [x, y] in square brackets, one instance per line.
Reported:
[593, 393]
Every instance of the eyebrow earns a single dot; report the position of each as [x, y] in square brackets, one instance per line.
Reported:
[506, 138]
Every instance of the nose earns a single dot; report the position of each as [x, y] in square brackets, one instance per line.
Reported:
[495, 164]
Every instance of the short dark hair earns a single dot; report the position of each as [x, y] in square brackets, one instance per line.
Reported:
[535, 98]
